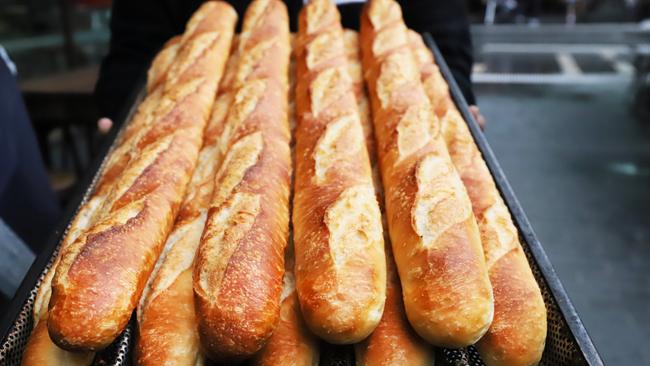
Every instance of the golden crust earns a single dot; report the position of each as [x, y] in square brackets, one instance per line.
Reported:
[353, 53]
[41, 351]
[340, 267]
[102, 274]
[240, 262]
[292, 344]
[161, 63]
[394, 342]
[167, 332]
[167, 324]
[518, 332]
[89, 212]
[447, 294]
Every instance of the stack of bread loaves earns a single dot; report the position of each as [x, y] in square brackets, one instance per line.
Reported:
[400, 240]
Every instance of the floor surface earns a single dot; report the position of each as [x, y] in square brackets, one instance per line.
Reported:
[580, 165]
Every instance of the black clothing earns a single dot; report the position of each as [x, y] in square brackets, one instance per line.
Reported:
[140, 28]
[27, 202]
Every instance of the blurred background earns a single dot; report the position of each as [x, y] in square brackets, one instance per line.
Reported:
[564, 86]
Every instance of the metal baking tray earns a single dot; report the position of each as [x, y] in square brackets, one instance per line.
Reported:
[567, 342]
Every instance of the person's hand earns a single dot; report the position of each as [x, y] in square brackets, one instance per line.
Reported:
[104, 125]
[478, 117]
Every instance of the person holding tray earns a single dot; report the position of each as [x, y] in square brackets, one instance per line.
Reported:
[140, 28]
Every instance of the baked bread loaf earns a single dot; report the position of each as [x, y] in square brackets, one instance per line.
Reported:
[393, 342]
[340, 265]
[518, 332]
[101, 275]
[40, 349]
[292, 344]
[239, 266]
[167, 327]
[435, 239]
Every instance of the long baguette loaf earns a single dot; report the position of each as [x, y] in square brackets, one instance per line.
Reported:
[340, 266]
[40, 349]
[240, 262]
[102, 274]
[292, 344]
[518, 332]
[393, 342]
[435, 239]
[167, 326]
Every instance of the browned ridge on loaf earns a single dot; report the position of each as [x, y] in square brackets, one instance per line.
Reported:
[102, 273]
[240, 262]
[435, 238]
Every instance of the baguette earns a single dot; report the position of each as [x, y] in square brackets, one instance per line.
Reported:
[393, 342]
[167, 328]
[101, 275]
[292, 344]
[40, 350]
[518, 332]
[340, 266]
[240, 262]
[435, 238]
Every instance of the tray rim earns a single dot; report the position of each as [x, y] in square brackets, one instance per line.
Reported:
[567, 310]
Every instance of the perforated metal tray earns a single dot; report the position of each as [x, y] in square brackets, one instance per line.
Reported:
[567, 343]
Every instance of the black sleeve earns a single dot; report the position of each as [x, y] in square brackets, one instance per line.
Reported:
[448, 23]
[138, 30]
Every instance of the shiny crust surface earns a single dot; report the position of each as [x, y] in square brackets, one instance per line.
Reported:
[41, 351]
[292, 344]
[160, 65]
[168, 331]
[340, 266]
[394, 342]
[103, 272]
[518, 332]
[85, 217]
[434, 235]
[240, 262]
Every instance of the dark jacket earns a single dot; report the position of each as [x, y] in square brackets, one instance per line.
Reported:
[27, 202]
[140, 28]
